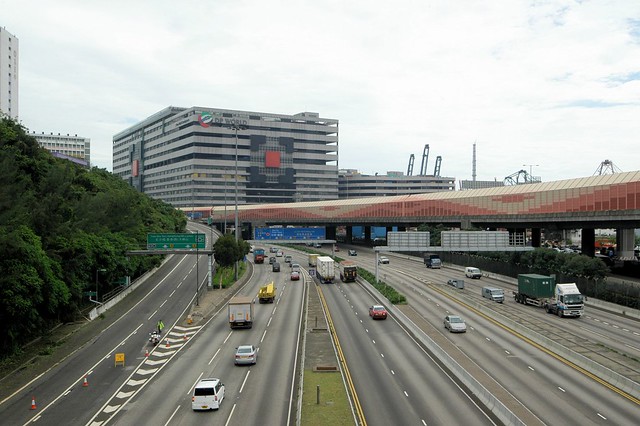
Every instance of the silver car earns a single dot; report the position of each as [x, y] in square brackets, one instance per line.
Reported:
[246, 354]
[455, 324]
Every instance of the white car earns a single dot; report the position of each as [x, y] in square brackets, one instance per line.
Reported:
[383, 259]
[207, 394]
[455, 324]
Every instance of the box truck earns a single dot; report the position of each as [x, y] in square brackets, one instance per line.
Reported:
[325, 269]
[348, 271]
[240, 312]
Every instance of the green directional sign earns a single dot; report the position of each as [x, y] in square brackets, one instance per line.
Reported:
[89, 293]
[175, 241]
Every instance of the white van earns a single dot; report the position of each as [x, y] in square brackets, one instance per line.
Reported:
[207, 395]
[472, 272]
[493, 293]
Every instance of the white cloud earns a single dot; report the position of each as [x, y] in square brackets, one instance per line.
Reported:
[546, 83]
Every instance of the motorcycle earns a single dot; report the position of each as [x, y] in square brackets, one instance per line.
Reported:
[154, 338]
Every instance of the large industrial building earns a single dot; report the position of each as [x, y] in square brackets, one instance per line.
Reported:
[352, 184]
[8, 74]
[198, 156]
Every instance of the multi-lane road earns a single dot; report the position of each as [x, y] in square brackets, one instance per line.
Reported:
[396, 380]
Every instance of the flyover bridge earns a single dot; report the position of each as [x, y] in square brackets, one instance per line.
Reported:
[597, 202]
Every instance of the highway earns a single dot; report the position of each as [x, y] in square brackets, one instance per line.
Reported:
[396, 380]
[552, 390]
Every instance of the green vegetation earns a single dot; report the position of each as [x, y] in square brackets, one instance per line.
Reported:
[64, 230]
[386, 290]
[333, 408]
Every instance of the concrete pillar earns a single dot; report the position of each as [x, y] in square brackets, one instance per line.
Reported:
[588, 244]
[349, 236]
[330, 232]
[367, 235]
[536, 237]
[625, 242]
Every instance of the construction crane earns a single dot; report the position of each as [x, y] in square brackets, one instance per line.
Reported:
[436, 169]
[410, 168]
[425, 158]
[520, 177]
[607, 167]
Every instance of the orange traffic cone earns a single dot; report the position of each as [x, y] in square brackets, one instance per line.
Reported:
[185, 336]
[33, 402]
[146, 352]
[168, 343]
[85, 383]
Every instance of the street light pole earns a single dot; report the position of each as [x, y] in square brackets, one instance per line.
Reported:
[98, 270]
[235, 126]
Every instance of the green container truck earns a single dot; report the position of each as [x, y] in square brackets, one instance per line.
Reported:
[534, 289]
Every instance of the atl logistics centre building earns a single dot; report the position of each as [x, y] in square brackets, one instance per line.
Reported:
[196, 156]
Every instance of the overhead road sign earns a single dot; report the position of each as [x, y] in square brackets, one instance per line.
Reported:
[290, 234]
[175, 241]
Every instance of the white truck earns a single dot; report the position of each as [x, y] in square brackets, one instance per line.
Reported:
[567, 301]
[325, 269]
[240, 312]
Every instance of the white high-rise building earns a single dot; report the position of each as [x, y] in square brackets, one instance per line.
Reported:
[8, 74]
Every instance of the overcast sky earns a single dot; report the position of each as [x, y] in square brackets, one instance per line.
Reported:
[552, 87]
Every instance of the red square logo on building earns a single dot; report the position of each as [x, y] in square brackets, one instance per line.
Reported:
[272, 159]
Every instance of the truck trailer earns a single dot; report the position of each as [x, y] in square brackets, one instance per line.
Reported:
[348, 271]
[240, 312]
[313, 259]
[564, 300]
[325, 269]
[267, 293]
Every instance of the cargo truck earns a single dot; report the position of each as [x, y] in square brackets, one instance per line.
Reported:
[567, 301]
[240, 312]
[258, 255]
[267, 293]
[348, 271]
[313, 258]
[432, 261]
[325, 269]
[541, 290]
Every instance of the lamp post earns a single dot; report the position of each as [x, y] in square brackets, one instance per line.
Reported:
[235, 126]
[531, 166]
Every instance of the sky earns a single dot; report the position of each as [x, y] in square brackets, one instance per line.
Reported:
[551, 86]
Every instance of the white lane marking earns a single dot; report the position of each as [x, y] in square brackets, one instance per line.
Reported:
[214, 356]
[151, 316]
[244, 381]
[562, 390]
[195, 383]
[165, 301]
[171, 416]
[600, 415]
[263, 335]
[531, 368]
[230, 415]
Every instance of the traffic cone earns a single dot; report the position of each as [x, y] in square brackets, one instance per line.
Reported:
[168, 343]
[146, 352]
[85, 383]
[185, 336]
[33, 402]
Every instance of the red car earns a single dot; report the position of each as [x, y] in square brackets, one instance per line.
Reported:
[378, 312]
[295, 276]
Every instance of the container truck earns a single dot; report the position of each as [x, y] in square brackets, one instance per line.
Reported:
[534, 289]
[325, 269]
[348, 271]
[564, 300]
[313, 258]
[567, 301]
[258, 255]
[240, 312]
[267, 293]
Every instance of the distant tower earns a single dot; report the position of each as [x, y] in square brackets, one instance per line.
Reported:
[8, 74]
[473, 164]
[607, 167]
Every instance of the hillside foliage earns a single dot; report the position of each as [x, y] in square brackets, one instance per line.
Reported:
[63, 229]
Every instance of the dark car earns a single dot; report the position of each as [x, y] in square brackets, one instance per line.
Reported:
[272, 260]
[378, 312]
[275, 267]
[353, 252]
